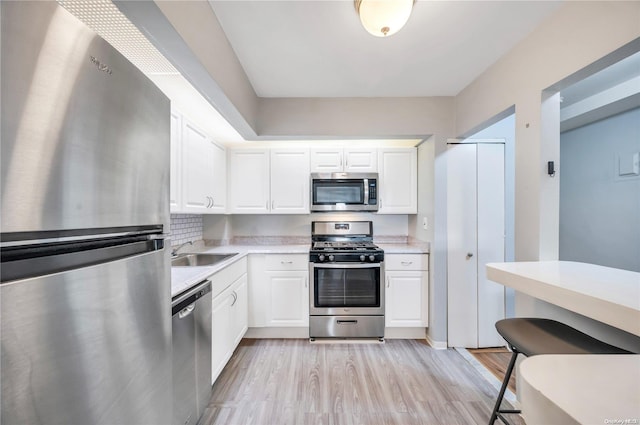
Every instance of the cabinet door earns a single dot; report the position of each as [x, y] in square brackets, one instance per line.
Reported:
[176, 161]
[361, 160]
[290, 181]
[197, 160]
[288, 298]
[218, 189]
[258, 290]
[326, 160]
[406, 301]
[239, 312]
[398, 191]
[249, 181]
[220, 333]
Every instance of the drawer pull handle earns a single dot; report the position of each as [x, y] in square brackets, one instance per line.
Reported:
[347, 322]
[286, 262]
[406, 263]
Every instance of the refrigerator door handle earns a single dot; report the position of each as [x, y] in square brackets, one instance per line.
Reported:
[187, 311]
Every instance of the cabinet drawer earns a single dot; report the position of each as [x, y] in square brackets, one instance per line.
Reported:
[287, 262]
[222, 279]
[406, 262]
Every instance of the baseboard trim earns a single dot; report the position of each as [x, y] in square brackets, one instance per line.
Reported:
[438, 345]
[285, 333]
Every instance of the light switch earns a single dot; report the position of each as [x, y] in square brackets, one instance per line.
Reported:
[629, 164]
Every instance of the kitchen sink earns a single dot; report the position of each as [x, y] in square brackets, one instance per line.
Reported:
[194, 260]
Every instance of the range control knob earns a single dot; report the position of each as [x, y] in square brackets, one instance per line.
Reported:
[321, 257]
[331, 257]
[362, 257]
[372, 257]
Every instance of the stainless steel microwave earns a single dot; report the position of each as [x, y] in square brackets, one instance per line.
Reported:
[344, 192]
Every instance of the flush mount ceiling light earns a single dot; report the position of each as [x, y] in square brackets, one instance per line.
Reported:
[383, 18]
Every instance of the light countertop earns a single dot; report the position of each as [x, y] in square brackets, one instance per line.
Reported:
[182, 278]
[580, 389]
[609, 295]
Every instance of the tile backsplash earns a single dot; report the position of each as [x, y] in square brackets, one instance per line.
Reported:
[185, 227]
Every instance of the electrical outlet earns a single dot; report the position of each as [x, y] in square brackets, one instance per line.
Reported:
[425, 223]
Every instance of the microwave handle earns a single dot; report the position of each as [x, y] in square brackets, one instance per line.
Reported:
[366, 191]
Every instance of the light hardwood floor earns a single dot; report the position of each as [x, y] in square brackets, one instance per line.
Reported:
[496, 360]
[277, 381]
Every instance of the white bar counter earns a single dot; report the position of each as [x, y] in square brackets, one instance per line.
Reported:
[611, 296]
[580, 389]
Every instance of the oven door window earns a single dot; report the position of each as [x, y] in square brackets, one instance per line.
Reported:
[337, 287]
[329, 192]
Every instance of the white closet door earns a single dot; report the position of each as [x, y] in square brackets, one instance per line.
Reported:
[462, 264]
[490, 240]
[475, 236]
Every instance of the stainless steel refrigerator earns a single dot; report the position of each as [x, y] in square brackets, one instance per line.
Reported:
[85, 288]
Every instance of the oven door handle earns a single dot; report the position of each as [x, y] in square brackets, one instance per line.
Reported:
[347, 265]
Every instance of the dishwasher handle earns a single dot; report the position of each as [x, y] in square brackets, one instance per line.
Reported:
[184, 300]
[186, 311]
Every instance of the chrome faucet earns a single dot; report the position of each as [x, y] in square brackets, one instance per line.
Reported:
[174, 251]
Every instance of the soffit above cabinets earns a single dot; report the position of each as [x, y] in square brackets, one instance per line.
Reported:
[103, 17]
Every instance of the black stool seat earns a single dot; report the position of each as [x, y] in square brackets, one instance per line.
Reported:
[534, 336]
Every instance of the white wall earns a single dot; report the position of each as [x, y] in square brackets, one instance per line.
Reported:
[577, 35]
[599, 210]
[580, 38]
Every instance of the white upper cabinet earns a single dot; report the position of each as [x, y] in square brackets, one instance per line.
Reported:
[175, 200]
[290, 181]
[219, 188]
[398, 186]
[198, 170]
[263, 181]
[335, 160]
[361, 160]
[249, 181]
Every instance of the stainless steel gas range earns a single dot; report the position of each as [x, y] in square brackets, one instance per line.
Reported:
[346, 294]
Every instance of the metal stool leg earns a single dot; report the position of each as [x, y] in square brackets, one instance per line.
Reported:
[496, 410]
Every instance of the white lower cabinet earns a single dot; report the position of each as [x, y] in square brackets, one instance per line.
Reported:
[406, 291]
[288, 302]
[229, 319]
[279, 290]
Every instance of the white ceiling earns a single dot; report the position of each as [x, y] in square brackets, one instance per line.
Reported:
[318, 48]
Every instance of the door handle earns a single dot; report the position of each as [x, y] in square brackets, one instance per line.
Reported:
[388, 281]
[347, 322]
[306, 281]
[235, 298]
[187, 311]
[469, 255]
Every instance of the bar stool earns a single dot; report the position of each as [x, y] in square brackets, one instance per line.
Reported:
[534, 336]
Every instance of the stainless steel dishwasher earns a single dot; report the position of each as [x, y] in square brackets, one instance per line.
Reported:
[191, 326]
